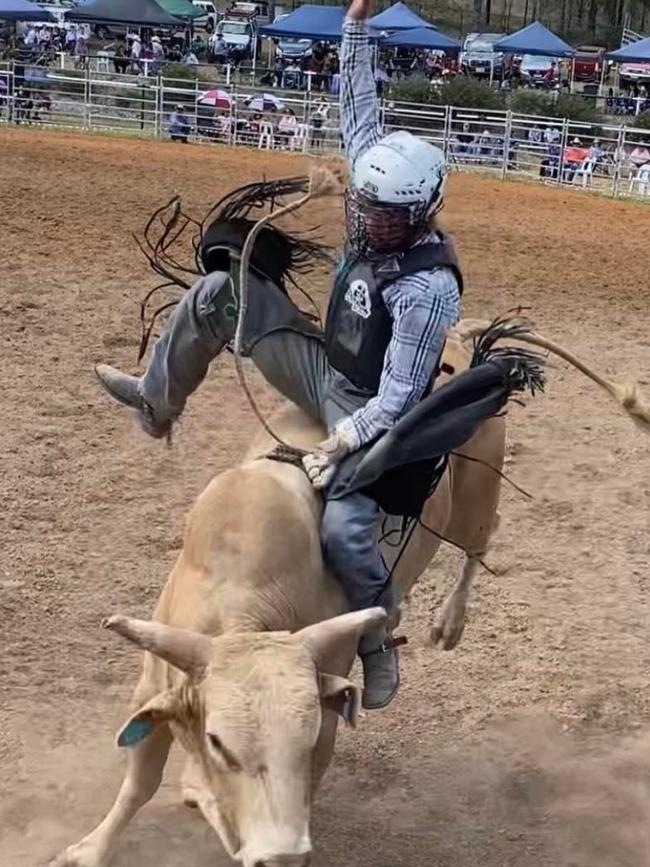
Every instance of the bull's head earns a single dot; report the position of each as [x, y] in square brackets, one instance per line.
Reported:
[250, 712]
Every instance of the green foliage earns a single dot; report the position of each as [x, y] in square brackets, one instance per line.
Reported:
[643, 120]
[185, 71]
[468, 93]
[461, 91]
[547, 105]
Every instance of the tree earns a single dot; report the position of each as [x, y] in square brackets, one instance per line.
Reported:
[477, 18]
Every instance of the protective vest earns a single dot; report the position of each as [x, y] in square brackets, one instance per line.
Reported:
[358, 328]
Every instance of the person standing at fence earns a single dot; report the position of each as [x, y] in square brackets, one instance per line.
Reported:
[179, 125]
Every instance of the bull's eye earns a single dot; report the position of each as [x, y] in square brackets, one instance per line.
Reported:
[222, 752]
[215, 742]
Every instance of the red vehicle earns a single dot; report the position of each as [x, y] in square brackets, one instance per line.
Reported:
[589, 61]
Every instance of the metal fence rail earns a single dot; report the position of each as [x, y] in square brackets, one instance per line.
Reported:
[608, 159]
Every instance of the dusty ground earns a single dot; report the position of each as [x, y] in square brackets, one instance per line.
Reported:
[527, 744]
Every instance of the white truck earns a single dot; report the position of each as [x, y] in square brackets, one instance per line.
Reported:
[238, 28]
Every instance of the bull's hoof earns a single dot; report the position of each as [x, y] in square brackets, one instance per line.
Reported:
[80, 855]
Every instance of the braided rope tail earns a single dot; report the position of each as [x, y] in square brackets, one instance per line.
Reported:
[322, 182]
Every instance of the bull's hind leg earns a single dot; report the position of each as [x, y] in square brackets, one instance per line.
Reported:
[143, 775]
[476, 486]
[449, 624]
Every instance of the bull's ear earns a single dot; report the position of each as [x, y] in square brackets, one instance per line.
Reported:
[340, 695]
[160, 709]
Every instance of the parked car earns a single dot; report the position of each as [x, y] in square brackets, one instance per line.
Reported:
[534, 69]
[210, 16]
[291, 48]
[631, 72]
[238, 34]
[479, 57]
[589, 61]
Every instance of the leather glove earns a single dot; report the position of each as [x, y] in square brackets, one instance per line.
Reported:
[321, 464]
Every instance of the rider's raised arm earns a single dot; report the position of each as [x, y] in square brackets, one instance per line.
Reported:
[360, 125]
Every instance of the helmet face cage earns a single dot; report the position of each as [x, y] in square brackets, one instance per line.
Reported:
[374, 227]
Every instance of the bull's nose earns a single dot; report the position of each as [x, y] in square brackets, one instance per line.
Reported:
[286, 861]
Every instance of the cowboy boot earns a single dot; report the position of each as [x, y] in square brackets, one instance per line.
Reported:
[380, 661]
[125, 389]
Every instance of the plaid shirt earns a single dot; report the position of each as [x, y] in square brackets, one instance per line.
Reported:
[422, 306]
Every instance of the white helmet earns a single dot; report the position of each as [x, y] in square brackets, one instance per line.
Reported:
[396, 185]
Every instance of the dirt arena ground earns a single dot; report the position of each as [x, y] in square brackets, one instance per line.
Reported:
[529, 744]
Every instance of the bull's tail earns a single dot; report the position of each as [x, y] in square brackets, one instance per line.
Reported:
[626, 394]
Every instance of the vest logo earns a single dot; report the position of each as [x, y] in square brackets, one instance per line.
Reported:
[358, 297]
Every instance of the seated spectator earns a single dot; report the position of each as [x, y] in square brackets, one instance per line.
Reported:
[465, 140]
[292, 76]
[596, 152]
[191, 59]
[287, 126]
[179, 125]
[120, 60]
[551, 135]
[640, 156]
[550, 164]
[535, 135]
[574, 156]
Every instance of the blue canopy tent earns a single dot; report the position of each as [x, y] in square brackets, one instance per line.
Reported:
[422, 37]
[22, 10]
[637, 52]
[399, 17]
[535, 39]
[309, 22]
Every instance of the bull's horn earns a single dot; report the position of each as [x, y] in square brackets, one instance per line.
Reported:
[189, 651]
[324, 639]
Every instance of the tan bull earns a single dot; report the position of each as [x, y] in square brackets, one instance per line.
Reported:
[249, 650]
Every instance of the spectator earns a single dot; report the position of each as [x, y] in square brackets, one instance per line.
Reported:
[465, 140]
[80, 53]
[136, 51]
[596, 151]
[71, 38]
[179, 125]
[535, 135]
[550, 76]
[31, 37]
[287, 126]
[191, 59]
[174, 55]
[236, 56]
[292, 75]
[574, 156]
[640, 156]
[157, 49]
[120, 60]
[551, 135]
[381, 79]
[218, 49]
[550, 164]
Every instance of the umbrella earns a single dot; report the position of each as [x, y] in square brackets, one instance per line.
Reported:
[264, 102]
[215, 98]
